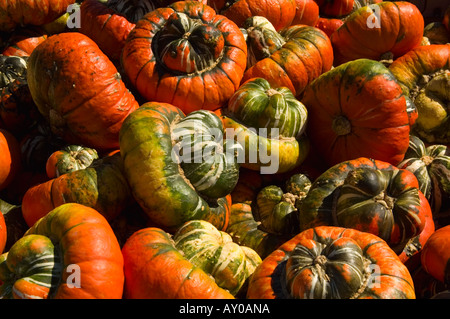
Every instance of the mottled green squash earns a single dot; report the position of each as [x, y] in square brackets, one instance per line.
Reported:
[157, 141]
[269, 123]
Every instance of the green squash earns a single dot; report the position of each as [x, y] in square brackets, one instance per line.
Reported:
[431, 166]
[215, 252]
[159, 146]
[269, 124]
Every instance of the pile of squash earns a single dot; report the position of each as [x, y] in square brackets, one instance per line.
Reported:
[230, 150]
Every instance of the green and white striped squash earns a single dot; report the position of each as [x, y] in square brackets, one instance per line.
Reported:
[431, 165]
[154, 144]
[211, 165]
[267, 121]
[215, 253]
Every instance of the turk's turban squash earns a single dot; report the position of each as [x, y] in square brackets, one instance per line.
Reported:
[371, 196]
[108, 28]
[431, 165]
[355, 110]
[269, 123]
[281, 14]
[186, 55]
[292, 57]
[179, 166]
[155, 269]
[332, 263]
[75, 255]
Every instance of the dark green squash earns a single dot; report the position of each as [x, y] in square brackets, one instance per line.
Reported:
[369, 195]
[431, 166]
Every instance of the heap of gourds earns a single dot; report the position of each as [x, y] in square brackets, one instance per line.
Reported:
[211, 149]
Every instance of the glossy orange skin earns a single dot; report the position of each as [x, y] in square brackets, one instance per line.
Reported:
[422, 60]
[155, 269]
[400, 29]
[106, 27]
[82, 107]
[329, 25]
[14, 13]
[435, 256]
[10, 158]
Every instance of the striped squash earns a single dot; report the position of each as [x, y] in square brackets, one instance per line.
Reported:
[332, 263]
[259, 105]
[72, 240]
[368, 195]
[208, 161]
[157, 141]
[268, 122]
[215, 252]
[305, 54]
[262, 39]
[431, 166]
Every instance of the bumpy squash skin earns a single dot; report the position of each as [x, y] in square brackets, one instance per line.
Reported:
[217, 254]
[82, 107]
[155, 269]
[155, 178]
[70, 158]
[106, 27]
[280, 13]
[280, 275]
[72, 234]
